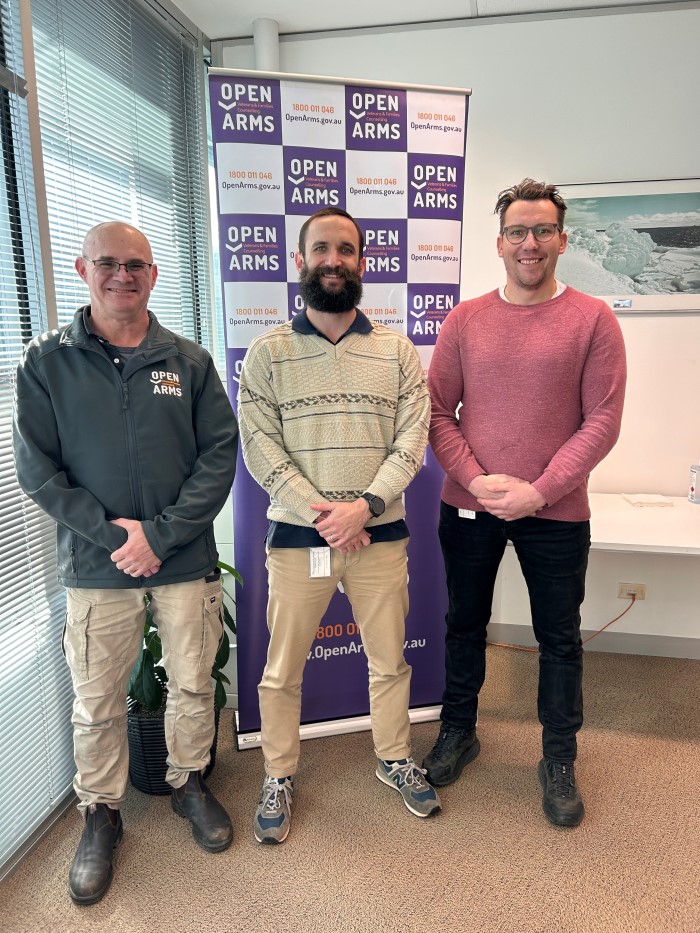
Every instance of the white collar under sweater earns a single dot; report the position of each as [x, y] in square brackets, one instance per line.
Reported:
[557, 293]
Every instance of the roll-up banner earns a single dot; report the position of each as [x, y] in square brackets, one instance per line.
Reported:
[393, 156]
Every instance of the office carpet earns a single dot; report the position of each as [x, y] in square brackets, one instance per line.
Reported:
[357, 861]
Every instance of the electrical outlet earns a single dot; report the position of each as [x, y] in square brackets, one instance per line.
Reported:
[628, 590]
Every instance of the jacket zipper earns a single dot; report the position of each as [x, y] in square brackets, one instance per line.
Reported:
[132, 453]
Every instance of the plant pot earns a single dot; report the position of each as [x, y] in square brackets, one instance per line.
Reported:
[148, 751]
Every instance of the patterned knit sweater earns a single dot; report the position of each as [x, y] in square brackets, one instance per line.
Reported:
[541, 389]
[322, 421]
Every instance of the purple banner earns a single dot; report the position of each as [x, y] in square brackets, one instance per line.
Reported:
[426, 586]
[283, 149]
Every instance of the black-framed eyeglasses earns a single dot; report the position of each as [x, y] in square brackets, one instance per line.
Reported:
[517, 233]
[133, 267]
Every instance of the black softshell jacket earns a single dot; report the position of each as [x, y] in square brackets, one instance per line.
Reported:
[156, 443]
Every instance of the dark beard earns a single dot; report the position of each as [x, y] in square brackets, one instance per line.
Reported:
[317, 297]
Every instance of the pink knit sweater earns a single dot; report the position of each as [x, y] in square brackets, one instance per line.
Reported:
[542, 388]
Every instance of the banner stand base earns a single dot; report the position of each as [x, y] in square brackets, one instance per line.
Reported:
[317, 730]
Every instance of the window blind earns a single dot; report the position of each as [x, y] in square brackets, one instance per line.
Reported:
[120, 88]
[120, 102]
[35, 692]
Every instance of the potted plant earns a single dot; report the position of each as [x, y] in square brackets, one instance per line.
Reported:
[146, 696]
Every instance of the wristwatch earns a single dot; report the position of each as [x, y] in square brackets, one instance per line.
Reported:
[376, 505]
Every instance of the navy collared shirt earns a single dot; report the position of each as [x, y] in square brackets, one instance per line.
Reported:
[302, 325]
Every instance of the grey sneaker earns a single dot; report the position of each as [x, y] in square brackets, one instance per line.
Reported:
[408, 779]
[273, 815]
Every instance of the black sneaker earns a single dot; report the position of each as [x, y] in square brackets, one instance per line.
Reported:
[452, 751]
[561, 801]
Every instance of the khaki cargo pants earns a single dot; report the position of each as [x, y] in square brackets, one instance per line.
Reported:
[102, 638]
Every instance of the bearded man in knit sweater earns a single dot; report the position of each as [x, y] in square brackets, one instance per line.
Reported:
[539, 371]
[334, 421]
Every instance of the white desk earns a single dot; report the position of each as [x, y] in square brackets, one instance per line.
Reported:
[618, 526]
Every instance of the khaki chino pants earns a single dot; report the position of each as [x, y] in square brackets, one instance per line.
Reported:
[376, 583]
[102, 638]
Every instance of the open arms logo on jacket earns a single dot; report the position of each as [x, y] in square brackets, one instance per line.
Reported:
[165, 383]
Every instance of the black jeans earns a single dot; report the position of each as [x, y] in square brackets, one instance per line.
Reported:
[553, 557]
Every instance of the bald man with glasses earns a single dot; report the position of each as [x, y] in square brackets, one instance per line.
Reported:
[124, 434]
[537, 371]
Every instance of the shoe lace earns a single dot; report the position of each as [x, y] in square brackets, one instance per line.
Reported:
[274, 793]
[410, 773]
[563, 776]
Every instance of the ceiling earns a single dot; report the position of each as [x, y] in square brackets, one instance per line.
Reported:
[232, 19]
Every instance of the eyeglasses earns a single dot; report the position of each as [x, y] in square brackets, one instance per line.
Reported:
[111, 265]
[518, 234]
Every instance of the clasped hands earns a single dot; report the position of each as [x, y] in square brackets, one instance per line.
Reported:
[342, 524]
[506, 497]
[135, 558]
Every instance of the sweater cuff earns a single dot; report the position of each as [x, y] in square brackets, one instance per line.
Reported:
[385, 492]
[467, 476]
[547, 490]
[306, 513]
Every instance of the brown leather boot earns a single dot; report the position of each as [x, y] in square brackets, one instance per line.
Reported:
[91, 870]
[211, 825]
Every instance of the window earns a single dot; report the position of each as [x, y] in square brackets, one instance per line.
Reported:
[35, 692]
[120, 101]
[120, 94]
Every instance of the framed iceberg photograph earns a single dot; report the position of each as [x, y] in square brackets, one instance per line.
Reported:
[634, 244]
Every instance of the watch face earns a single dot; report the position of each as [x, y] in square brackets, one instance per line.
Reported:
[376, 505]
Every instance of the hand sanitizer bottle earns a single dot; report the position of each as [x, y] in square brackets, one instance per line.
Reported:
[693, 491]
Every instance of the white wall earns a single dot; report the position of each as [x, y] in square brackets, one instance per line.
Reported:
[666, 623]
[569, 99]
[594, 98]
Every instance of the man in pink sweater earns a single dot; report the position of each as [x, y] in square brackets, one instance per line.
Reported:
[539, 371]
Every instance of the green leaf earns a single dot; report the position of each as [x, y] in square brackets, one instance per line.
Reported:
[222, 655]
[219, 695]
[153, 644]
[232, 570]
[135, 677]
[228, 618]
[148, 686]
